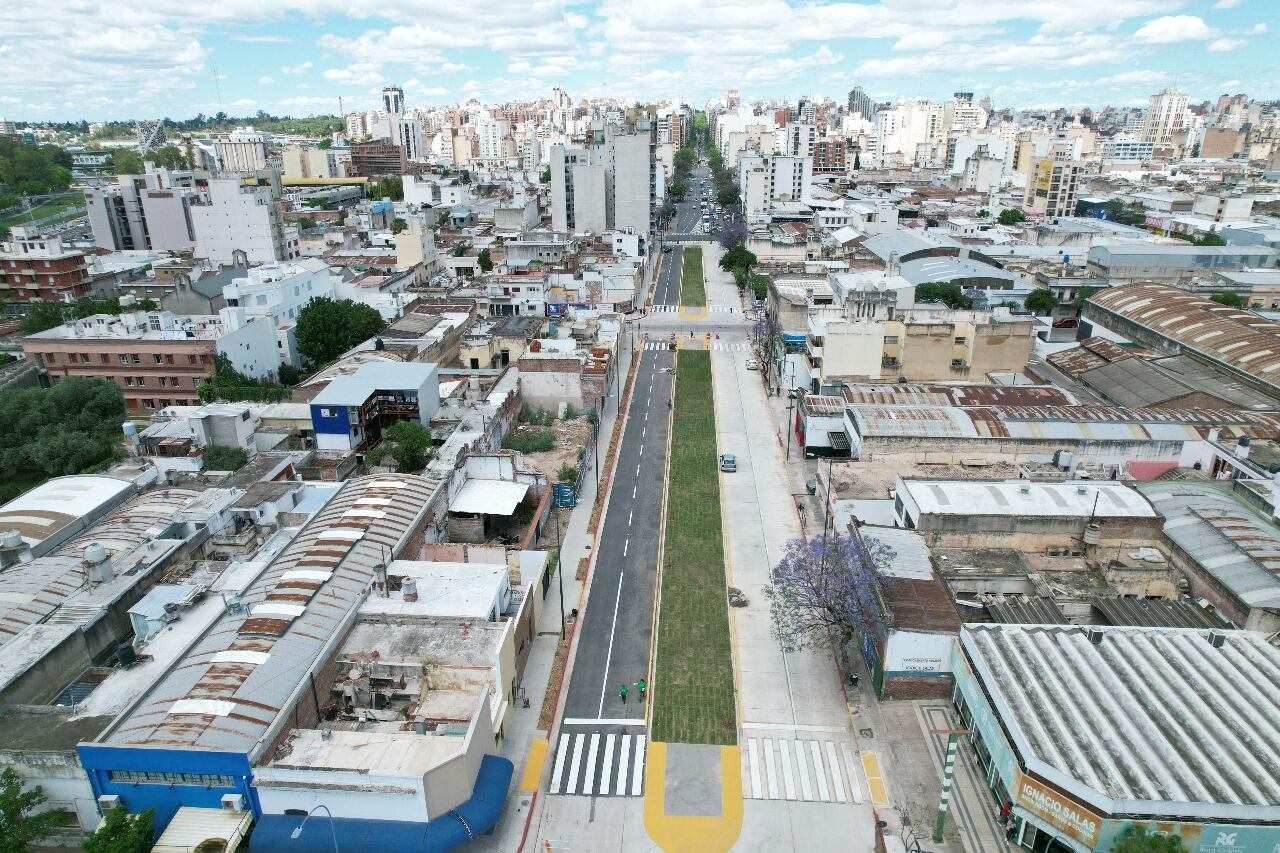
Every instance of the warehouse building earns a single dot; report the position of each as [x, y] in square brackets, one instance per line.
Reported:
[1085, 731]
[257, 679]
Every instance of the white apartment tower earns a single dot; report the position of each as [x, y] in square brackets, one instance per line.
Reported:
[607, 186]
[393, 100]
[231, 216]
[1166, 115]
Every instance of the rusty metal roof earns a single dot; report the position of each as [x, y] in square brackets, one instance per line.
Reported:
[298, 609]
[1234, 337]
[937, 394]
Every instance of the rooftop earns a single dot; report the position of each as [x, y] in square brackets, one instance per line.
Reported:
[1140, 721]
[355, 389]
[226, 692]
[444, 589]
[1085, 498]
[139, 326]
[51, 506]
[1238, 548]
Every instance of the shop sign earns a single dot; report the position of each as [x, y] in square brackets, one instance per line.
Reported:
[1059, 811]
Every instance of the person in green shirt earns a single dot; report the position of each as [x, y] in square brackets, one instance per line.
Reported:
[642, 684]
[622, 691]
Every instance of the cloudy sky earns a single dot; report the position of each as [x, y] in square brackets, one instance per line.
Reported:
[147, 58]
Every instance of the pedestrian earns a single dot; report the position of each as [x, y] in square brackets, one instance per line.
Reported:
[622, 691]
[642, 684]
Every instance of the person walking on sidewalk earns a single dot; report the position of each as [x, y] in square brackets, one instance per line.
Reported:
[622, 691]
[642, 684]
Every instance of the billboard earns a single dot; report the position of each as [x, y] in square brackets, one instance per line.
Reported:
[1060, 811]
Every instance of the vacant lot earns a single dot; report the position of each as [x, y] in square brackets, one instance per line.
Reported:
[693, 699]
[693, 289]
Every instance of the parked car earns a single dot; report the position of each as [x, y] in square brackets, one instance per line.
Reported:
[752, 364]
[811, 486]
[728, 463]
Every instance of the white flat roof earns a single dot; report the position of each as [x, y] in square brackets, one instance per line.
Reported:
[489, 497]
[463, 590]
[1147, 721]
[380, 753]
[73, 497]
[1024, 497]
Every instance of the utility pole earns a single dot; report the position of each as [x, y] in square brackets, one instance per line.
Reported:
[948, 771]
[559, 570]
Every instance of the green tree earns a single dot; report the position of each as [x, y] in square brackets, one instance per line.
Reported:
[679, 189]
[567, 473]
[325, 144]
[42, 315]
[122, 832]
[1082, 296]
[727, 196]
[20, 825]
[412, 445]
[1042, 300]
[289, 375]
[485, 260]
[545, 177]
[67, 429]
[738, 260]
[1210, 239]
[391, 187]
[1229, 298]
[1011, 216]
[126, 161]
[945, 292]
[306, 223]
[398, 225]
[1135, 839]
[328, 327]
[442, 220]
[218, 458]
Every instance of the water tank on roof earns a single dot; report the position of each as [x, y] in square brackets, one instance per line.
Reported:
[129, 428]
[10, 539]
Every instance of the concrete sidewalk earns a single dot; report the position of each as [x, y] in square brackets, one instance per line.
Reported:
[522, 728]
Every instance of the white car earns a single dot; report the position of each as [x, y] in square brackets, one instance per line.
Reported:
[752, 364]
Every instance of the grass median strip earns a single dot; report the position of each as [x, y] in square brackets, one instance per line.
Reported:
[693, 288]
[693, 697]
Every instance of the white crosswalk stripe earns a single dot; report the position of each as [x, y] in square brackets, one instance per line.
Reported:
[674, 309]
[798, 769]
[592, 764]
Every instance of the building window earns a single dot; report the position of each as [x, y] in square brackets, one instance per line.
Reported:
[148, 404]
[173, 380]
[164, 382]
[890, 339]
[960, 342]
[143, 777]
[124, 359]
[137, 359]
[159, 358]
[84, 358]
[128, 381]
[139, 381]
[106, 359]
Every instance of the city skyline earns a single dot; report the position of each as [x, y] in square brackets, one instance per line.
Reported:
[300, 58]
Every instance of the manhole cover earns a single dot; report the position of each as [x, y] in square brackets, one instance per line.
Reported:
[866, 733]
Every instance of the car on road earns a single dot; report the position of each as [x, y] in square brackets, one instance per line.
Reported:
[666, 250]
[728, 463]
[752, 364]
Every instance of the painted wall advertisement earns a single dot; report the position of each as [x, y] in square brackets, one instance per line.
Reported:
[1074, 819]
[984, 720]
[1204, 838]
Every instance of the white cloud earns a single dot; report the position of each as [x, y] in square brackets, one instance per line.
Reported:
[1226, 45]
[301, 68]
[1227, 4]
[264, 80]
[264, 39]
[355, 74]
[1258, 29]
[244, 102]
[1126, 78]
[1174, 29]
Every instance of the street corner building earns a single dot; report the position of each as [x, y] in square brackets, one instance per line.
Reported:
[278, 712]
[1083, 731]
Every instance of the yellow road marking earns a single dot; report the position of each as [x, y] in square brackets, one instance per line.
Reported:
[533, 765]
[693, 833]
[875, 779]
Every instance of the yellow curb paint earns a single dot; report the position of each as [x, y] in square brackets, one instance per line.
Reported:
[688, 312]
[875, 779]
[693, 833]
[533, 765]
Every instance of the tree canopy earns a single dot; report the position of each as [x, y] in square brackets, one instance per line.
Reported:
[122, 832]
[1011, 216]
[1082, 295]
[41, 315]
[327, 327]
[950, 295]
[230, 385]
[67, 429]
[34, 169]
[391, 187]
[20, 825]
[485, 260]
[1042, 300]
[827, 587]
[1229, 298]
[738, 260]
[412, 445]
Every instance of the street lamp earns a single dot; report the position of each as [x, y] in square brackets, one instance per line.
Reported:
[297, 831]
[559, 570]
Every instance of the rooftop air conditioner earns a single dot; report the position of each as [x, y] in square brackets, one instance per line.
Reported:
[233, 802]
[108, 802]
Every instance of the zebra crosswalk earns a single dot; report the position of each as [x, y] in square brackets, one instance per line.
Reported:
[674, 309]
[800, 769]
[714, 346]
[599, 764]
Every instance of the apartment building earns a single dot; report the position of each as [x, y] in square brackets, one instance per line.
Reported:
[231, 215]
[156, 357]
[279, 292]
[36, 267]
[304, 161]
[244, 150]
[148, 211]
[376, 158]
[764, 180]
[829, 157]
[1166, 115]
[609, 185]
[1052, 188]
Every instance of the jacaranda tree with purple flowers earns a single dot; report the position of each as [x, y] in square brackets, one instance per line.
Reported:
[828, 588]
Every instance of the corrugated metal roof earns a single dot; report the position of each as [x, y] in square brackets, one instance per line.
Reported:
[957, 395]
[1146, 721]
[1155, 613]
[1237, 548]
[1025, 497]
[1237, 338]
[928, 421]
[292, 644]
[1026, 610]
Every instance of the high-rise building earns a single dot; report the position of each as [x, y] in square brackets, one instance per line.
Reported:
[393, 100]
[799, 139]
[1166, 115]
[150, 211]
[231, 215]
[609, 185]
[372, 159]
[860, 102]
[244, 150]
[1051, 187]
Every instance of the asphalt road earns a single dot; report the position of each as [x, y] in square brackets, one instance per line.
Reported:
[615, 635]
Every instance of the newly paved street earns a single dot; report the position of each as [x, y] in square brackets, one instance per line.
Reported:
[601, 748]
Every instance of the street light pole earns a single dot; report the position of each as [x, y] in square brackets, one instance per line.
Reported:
[559, 570]
[297, 832]
[948, 770]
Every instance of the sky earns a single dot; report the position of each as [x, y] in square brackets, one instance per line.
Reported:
[79, 59]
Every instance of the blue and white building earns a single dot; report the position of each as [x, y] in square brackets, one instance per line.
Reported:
[353, 411]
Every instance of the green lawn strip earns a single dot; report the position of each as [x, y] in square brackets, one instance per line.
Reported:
[48, 208]
[694, 698]
[693, 289]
